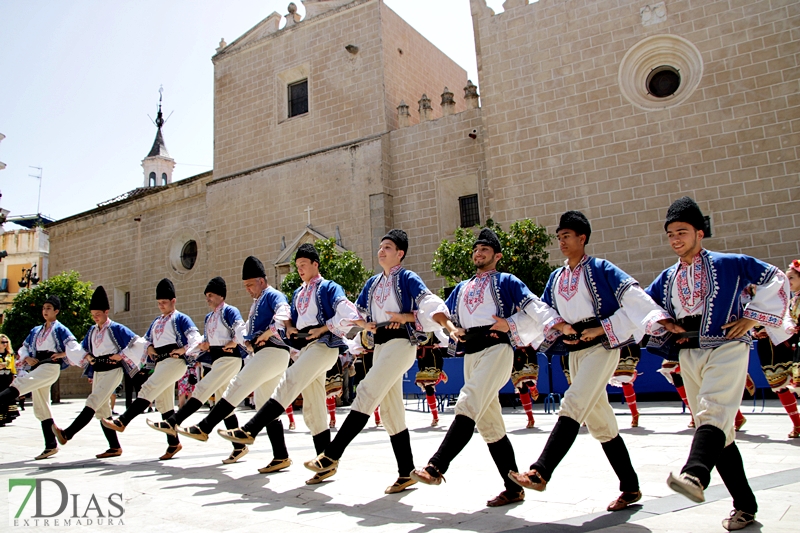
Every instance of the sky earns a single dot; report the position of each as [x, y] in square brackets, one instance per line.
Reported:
[79, 78]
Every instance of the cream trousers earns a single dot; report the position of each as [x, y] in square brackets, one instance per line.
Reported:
[383, 384]
[307, 376]
[160, 386]
[38, 382]
[261, 374]
[714, 380]
[103, 386]
[586, 399]
[485, 373]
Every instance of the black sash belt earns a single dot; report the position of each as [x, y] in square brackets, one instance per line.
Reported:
[103, 363]
[45, 358]
[267, 344]
[300, 340]
[217, 352]
[384, 334]
[482, 337]
[580, 327]
[163, 352]
[692, 326]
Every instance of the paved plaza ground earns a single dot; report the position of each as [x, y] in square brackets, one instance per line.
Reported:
[196, 492]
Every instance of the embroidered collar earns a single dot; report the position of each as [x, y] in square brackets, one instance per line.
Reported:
[214, 320]
[570, 279]
[486, 274]
[384, 286]
[475, 290]
[161, 323]
[306, 292]
[44, 333]
[100, 333]
[693, 284]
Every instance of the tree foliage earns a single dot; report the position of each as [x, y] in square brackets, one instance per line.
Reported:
[524, 254]
[345, 268]
[26, 312]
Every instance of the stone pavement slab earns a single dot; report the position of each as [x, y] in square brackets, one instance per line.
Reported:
[196, 492]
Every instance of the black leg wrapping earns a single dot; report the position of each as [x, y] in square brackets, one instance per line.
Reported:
[221, 409]
[268, 413]
[505, 460]
[558, 444]
[172, 440]
[49, 436]
[707, 446]
[321, 441]
[138, 407]
[275, 434]
[80, 422]
[232, 422]
[457, 437]
[8, 397]
[352, 426]
[111, 437]
[401, 444]
[620, 460]
[731, 470]
[189, 408]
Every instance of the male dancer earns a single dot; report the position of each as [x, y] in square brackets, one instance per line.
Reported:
[702, 292]
[263, 370]
[321, 315]
[493, 311]
[44, 351]
[170, 337]
[223, 334]
[607, 309]
[111, 350]
[399, 297]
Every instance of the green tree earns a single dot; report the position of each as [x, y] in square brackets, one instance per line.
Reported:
[26, 312]
[345, 268]
[524, 254]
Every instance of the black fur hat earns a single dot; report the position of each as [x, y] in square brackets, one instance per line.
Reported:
[253, 268]
[99, 300]
[53, 300]
[308, 251]
[577, 222]
[399, 238]
[165, 290]
[685, 210]
[489, 238]
[217, 286]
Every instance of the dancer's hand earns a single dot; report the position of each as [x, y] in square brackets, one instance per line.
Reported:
[458, 334]
[738, 328]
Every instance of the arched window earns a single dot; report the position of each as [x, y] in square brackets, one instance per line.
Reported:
[163, 179]
[152, 179]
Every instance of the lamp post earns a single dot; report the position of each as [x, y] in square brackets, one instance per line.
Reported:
[29, 277]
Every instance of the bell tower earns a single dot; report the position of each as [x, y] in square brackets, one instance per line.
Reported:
[158, 165]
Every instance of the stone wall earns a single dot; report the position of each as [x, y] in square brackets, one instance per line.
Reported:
[433, 164]
[130, 246]
[561, 135]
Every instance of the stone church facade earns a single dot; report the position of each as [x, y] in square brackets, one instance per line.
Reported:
[566, 120]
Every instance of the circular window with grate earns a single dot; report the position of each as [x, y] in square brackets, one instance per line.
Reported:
[660, 72]
[189, 255]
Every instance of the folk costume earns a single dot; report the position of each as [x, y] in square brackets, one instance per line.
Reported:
[168, 332]
[222, 325]
[524, 376]
[595, 293]
[316, 303]
[488, 361]
[8, 372]
[777, 361]
[702, 296]
[41, 344]
[401, 291]
[100, 344]
[262, 371]
[430, 360]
